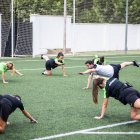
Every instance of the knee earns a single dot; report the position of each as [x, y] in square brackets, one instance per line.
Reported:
[2, 130]
[132, 117]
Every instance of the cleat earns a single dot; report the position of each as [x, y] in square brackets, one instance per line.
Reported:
[41, 56]
[43, 73]
[135, 63]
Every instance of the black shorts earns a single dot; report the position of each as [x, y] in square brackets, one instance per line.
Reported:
[48, 65]
[5, 109]
[116, 68]
[131, 95]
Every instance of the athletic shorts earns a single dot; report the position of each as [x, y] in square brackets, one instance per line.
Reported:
[48, 66]
[131, 95]
[5, 109]
[116, 68]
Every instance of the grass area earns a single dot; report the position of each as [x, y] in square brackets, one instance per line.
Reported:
[61, 105]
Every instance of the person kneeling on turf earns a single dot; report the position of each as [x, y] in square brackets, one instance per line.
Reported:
[54, 63]
[8, 104]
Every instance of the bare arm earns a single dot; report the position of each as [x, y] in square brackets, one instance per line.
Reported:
[104, 107]
[3, 77]
[27, 114]
[58, 63]
[16, 71]
[89, 81]
[88, 71]
[63, 70]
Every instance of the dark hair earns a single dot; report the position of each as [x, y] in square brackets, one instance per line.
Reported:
[17, 96]
[101, 62]
[60, 54]
[89, 62]
[96, 84]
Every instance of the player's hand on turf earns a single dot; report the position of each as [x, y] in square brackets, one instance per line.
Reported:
[98, 117]
[33, 121]
[86, 88]
[81, 73]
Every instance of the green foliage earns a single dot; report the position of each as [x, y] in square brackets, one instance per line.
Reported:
[99, 11]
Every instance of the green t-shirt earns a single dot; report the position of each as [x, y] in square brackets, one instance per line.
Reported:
[58, 60]
[103, 92]
[3, 67]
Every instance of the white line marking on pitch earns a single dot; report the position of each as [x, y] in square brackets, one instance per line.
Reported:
[59, 67]
[112, 133]
[83, 131]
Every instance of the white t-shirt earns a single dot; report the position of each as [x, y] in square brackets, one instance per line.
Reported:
[104, 70]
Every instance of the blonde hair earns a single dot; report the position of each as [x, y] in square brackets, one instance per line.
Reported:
[9, 65]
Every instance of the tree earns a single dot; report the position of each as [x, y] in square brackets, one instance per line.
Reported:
[99, 11]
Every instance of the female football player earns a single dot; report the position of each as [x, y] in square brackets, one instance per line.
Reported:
[53, 63]
[123, 92]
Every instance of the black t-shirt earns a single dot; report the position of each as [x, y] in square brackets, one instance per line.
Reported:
[13, 102]
[115, 89]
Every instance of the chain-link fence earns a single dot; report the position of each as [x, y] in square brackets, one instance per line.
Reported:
[82, 11]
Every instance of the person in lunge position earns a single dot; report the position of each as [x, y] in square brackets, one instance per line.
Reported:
[53, 63]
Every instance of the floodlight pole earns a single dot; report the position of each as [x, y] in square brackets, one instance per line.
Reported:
[12, 28]
[65, 22]
[126, 27]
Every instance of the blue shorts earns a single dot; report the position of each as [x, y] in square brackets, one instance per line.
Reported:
[131, 95]
[48, 65]
[116, 68]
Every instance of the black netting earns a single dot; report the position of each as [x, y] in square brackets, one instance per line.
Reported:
[6, 19]
[24, 38]
[22, 32]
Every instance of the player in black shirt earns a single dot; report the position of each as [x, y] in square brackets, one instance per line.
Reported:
[8, 104]
[123, 92]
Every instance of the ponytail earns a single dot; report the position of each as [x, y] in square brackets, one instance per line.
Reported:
[96, 84]
[95, 92]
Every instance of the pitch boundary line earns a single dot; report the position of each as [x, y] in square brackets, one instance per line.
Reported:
[84, 131]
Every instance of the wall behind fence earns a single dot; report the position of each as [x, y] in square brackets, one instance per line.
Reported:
[48, 34]
[104, 37]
